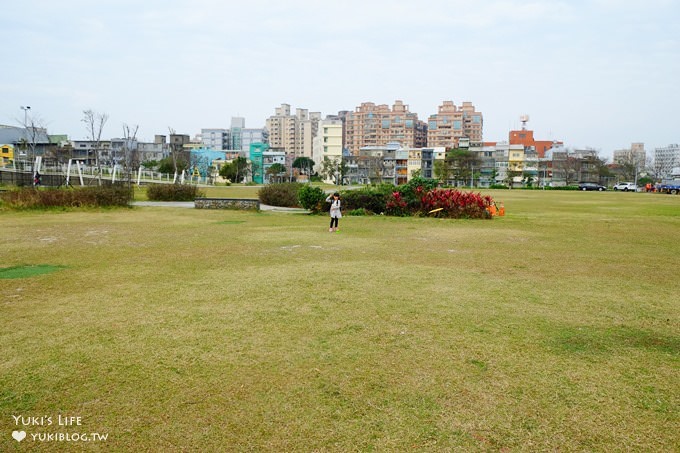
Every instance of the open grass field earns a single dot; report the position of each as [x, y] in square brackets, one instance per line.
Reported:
[553, 328]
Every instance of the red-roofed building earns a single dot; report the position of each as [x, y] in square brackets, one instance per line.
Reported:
[526, 137]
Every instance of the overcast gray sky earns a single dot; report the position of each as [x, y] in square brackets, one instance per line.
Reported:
[599, 73]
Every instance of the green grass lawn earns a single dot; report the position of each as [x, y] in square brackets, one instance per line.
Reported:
[553, 328]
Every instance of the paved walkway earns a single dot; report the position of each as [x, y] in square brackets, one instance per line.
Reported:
[190, 204]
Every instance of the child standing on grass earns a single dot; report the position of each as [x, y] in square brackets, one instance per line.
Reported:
[334, 200]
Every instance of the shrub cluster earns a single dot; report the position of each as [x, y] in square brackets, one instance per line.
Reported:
[173, 192]
[283, 194]
[372, 198]
[91, 197]
[311, 198]
[421, 196]
[358, 212]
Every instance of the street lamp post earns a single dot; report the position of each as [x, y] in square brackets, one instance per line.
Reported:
[25, 109]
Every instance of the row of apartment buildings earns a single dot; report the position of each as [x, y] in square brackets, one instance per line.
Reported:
[375, 125]
[513, 165]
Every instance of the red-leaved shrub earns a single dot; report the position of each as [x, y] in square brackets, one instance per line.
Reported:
[456, 204]
[449, 203]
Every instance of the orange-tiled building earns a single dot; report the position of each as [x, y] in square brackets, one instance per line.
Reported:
[526, 137]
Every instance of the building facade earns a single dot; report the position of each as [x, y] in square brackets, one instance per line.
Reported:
[667, 161]
[217, 139]
[236, 138]
[390, 164]
[6, 155]
[635, 156]
[378, 125]
[328, 146]
[451, 123]
[249, 136]
[294, 134]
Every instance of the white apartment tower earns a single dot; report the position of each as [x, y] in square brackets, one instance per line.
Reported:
[667, 161]
[327, 144]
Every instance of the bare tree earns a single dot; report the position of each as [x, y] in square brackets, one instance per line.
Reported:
[34, 131]
[130, 152]
[94, 124]
[565, 166]
[180, 158]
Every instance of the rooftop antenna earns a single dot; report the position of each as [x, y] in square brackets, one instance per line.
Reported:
[524, 119]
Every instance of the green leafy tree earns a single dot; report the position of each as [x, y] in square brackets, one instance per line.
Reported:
[150, 164]
[328, 167]
[236, 170]
[334, 169]
[442, 170]
[167, 165]
[275, 171]
[462, 163]
[304, 164]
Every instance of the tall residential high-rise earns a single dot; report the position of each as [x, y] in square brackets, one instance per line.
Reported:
[293, 134]
[446, 127]
[378, 125]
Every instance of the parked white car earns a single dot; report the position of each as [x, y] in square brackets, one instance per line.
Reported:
[626, 186]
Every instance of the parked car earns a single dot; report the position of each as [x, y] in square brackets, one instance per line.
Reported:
[626, 186]
[591, 186]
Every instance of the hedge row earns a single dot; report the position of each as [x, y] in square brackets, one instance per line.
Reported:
[173, 192]
[280, 194]
[91, 197]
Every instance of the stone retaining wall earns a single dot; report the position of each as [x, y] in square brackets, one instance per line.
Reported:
[243, 204]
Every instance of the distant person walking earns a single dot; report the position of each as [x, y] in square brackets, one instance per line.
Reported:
[335, 212]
